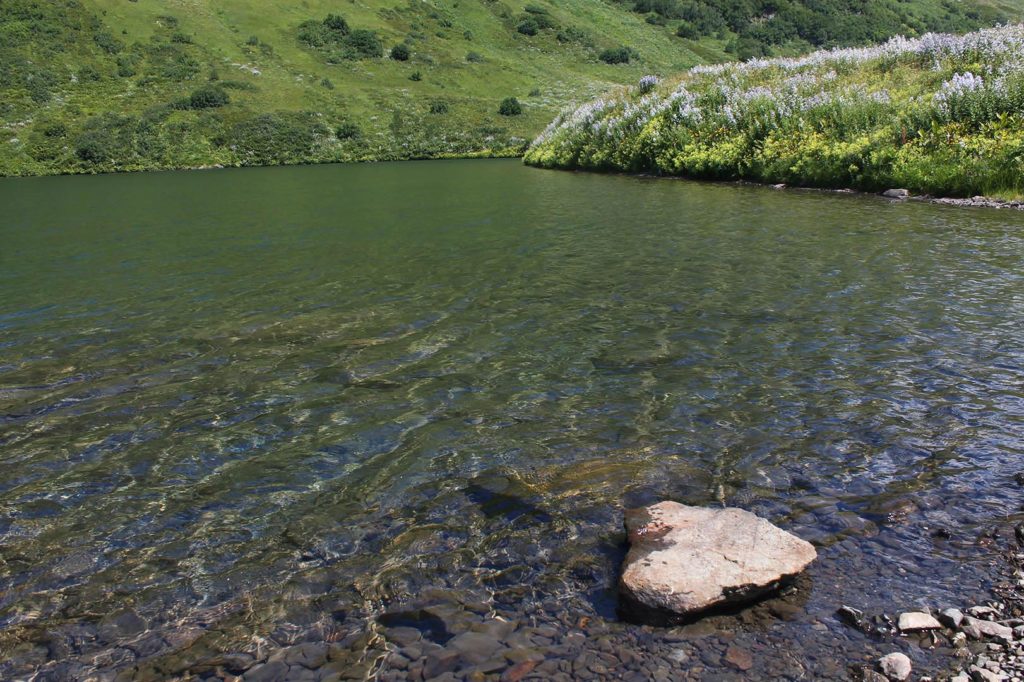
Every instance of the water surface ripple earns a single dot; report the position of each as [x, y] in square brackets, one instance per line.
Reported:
[250, 408]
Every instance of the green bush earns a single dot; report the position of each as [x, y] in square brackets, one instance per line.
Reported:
[416, 76]
[89, 73]
[282, 137]
[126, 65]
[331, 31]
[336, 22]
[106, 139]
[107, 42]
[208, 97]
[55, 130]
[510, 106]
[439, 107]
[572, 34]
[363, 44]
[348, 131]
[528, 27]
[400, 52]
[687, 30]
[616, 55]
[474, 57]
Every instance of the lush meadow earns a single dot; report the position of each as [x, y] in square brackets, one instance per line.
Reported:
[941, 114]
[107, 85]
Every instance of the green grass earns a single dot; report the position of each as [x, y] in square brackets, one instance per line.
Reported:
[101, 85]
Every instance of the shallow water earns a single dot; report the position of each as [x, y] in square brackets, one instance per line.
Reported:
[246, 409]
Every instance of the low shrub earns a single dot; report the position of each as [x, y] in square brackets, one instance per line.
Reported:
[348, 131]
[510, 106]
[400, 52]
[528, 27]
[208, 97]
[362, 44]
[616, 55]
[281, 137]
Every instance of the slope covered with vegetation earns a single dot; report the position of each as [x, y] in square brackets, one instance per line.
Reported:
[942, 114]
[101, 85]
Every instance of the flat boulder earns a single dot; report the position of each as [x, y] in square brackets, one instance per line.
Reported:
[686, 560]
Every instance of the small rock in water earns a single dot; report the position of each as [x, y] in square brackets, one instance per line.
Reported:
[852, 617]
[895, 666]
[896, 193]
[951, 617]
[918, 620]
[740, 658]
[684, 560]
[1019, 478]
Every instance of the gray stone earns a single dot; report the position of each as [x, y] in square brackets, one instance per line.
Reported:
[269, 672]
[913, 621]
[475, 647]
[403, 636]
[684, 560]
[982, 675]
[440, 662]
[495, 627]
[976, 629]
[896, 193]
[309, 655]
[982, 611]
[895, 666]
[951, 617]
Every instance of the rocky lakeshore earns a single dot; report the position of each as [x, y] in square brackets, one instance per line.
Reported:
[986, 640]
[445, 635]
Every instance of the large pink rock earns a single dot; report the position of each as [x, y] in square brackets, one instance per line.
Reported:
[685, 560]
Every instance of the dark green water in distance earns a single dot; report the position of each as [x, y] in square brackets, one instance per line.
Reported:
[243, 409]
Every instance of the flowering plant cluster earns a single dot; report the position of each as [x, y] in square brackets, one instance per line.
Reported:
[894, 114]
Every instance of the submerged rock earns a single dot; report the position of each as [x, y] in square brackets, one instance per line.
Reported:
[686, 560]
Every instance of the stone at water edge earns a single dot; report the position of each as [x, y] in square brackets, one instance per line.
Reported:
[896, 193]
[977, 629]
[951, 618]
[686, 560]
[895, 666]
[917, 620]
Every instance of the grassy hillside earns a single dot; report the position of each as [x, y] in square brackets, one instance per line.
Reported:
[100, 85]
[943, 115]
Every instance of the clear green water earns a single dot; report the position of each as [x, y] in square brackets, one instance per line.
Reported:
[245, 403]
